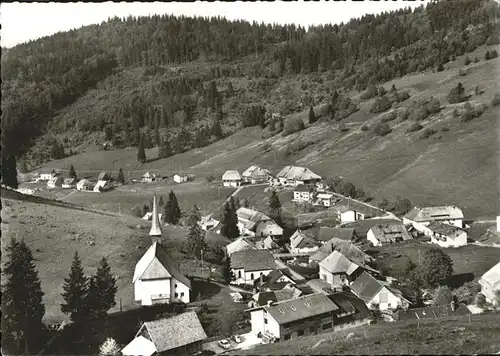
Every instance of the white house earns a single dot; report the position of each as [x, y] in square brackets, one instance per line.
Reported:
[276, 280]
[255, 175]
[303, 193]
[255, 223]
[148, 177]
[347, 214]
[268, 228]
[337, 270]
[180, 179]
[293, 176]
[47, 175]
[300, 243]
[102, 185]
[84, 184]
[55, 182]
[69, 183]
[181, 334]
[445, 235]
[420, 217]
[490, 284]
[325, 199]
[248, 265]
[231, 179]
[26, 191]
[374, 292]
[267, 243]
[383, 234]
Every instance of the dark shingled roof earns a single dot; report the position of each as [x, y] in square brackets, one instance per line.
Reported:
[174, 332]
[253, 260]
[366, 287]
[362, 227]
[301, 308]
[349, 303]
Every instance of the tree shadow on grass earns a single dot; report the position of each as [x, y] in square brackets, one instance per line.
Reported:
[204, 290]
[458, 280]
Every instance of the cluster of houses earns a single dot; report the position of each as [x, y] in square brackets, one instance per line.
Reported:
[55, 180]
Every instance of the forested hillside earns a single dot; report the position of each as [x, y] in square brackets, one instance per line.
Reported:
[180, 83]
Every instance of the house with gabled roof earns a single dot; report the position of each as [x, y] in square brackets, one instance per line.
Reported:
[293, 176]
[104, 176]
[348, 249]
[490, 284]
[255, 175]
[384, 234]
[301, 243]
[325, 199]
[374, 292]
[47, 174]
[181, 334]
[102, 185]
[255, 223]
[84, 184]
[55, 182]
[148, 177]
[262, 298]
[276, 280]
[69, 183]
[249, 265]
[347, 214]
[361, 227]
[231, 179]
[445, 235]
[337, 270]
[240, 244]
[419, 217]
[323, 234]
[303, 193]
[268, 243]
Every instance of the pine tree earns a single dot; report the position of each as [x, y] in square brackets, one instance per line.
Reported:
[172, 211]
[216, 129]
[230, 221]
[165, 150]
[22, 304]
[157, 137]
[74, 291]
[141, 153]
[9, 170]
[227, 272]
[72, 173]
[312, 116]
[161, 202]
[196, 237]
[121, 177]
[275, 205]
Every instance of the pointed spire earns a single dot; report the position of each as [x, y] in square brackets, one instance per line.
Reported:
[155, 226]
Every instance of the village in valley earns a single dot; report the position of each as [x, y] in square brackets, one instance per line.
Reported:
[325, 274]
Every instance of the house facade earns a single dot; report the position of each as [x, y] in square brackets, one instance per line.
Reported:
[256, 175]
[180, 179]
[445, 235]
[293, 176]
[84, 184]
[348, 215]
[231, 179]
[337, 270]
[45, 175]
[383, 234]
[240, 244]
[249, 265]
[69, 183]
[421, 217]
[101, 186]
[148, 177]
[268, 228]
[325, 199]
[55, 182]
[303, 193]
[301, 243]
[255, 223]
[490, 284]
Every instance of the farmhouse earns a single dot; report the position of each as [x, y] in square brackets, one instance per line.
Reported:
[361, 227]
[303, 193]
[301, 243]
[104, 176]
[102, 185]
[55, 182]
[46, 175]
[240, 244]
[231, 179]
[445, 235]
[179, 178]
[346, 248]
[262, 298]
[267, 243]
[84, 184]
[419, 217]
[276, 280]
[374, 292]
[490, 284]
[323, 234]
[254, 223]
[337, 270]
[248, 265]
[347, 214]
[383, 234]
[148, 177]
[293, 176]
[325, 199]
[69, 183]
[307, 315]
[182, 334]
[255, 175]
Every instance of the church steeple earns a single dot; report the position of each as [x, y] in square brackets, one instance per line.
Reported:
[155, 231]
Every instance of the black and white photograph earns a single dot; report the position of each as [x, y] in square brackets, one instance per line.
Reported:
[250, 178]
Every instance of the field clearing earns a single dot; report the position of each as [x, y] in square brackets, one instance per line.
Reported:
[466, 259]
[451, 335]
[53, 233]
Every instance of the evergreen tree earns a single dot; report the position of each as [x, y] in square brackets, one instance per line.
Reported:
[172, 211]
[487, 55]
[22, 304]
[230, 90]
[72, 173]
[196, 237]
[227, 272]
[9, 170]
[246, 203]
[216, 129]
[440, 67]
[275, 205]
[121, 177]
[74, 291]
[230, 221]
[165, 150]
[161, 202]
[141, 153]
[312, 116]
[157, 137]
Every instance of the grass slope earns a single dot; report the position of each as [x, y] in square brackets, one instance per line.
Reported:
[452, 335]
[54, 232]
[456, 166]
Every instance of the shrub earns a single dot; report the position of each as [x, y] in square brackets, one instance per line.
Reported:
[210, 178]
[467, 292]
[293, 125]
[403, 114]
[402, 96]
[136, 211]
[370, 92]
[462, 73]
[480, 300]
[442, 296]
[382, 129]
[476, 60]
[342, 127]
[420, 112]
[415, 126]
[380, 105]
[389, 116]
[466, 61]
[445, 129]
[440, 67]
[381, 91]
[496, 100]
[434, 106]
[457, 94]
[365, 128]
[455, 112]
[428, 132]
[478, 110]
